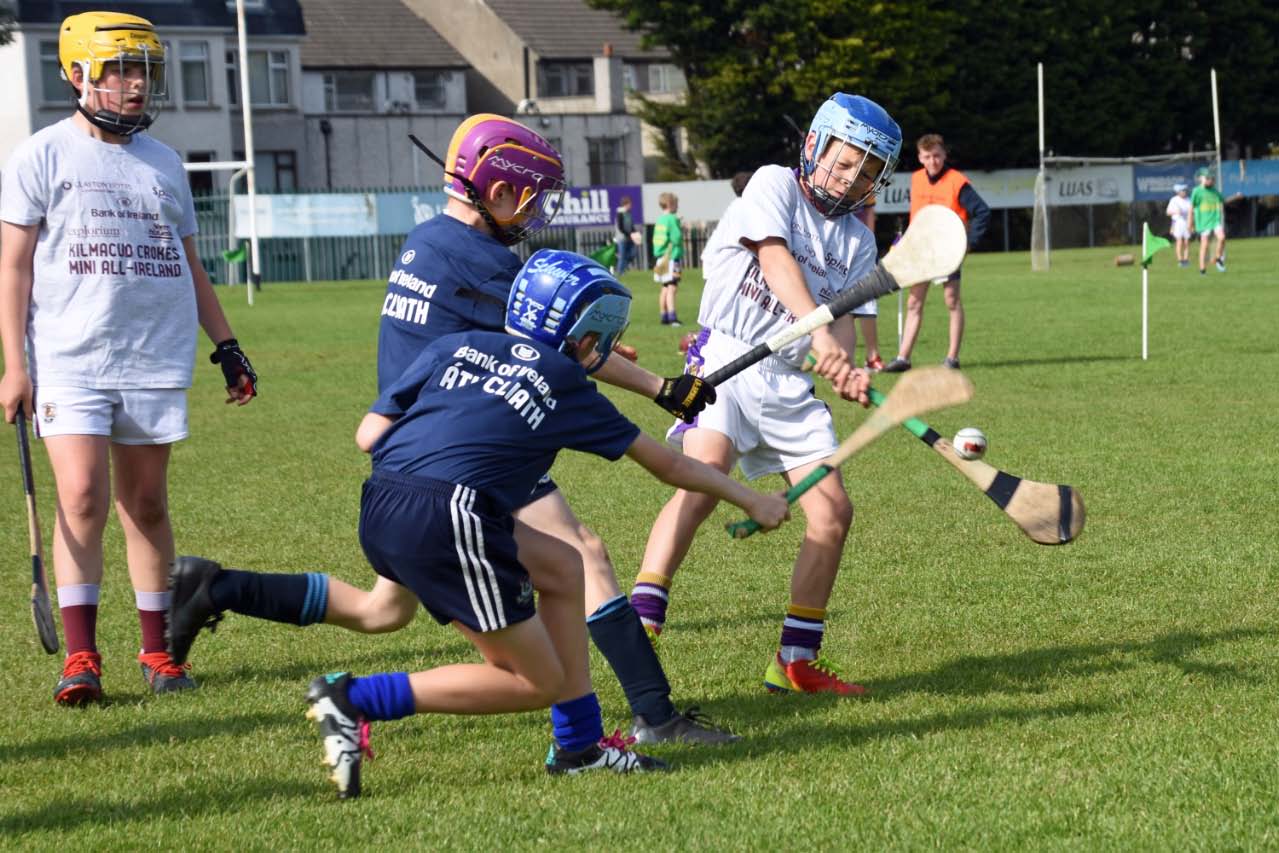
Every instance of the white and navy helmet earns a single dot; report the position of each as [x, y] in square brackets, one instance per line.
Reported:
[560, 297]
[859, 122]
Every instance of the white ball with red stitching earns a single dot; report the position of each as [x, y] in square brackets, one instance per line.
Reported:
[970, 443]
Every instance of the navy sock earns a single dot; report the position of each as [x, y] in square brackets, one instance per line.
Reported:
[295, 599]
[385, 696]
[577, 723]
[619, 635]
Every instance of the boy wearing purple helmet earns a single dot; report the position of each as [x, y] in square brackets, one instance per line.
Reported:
[454, 274]
[781, 249]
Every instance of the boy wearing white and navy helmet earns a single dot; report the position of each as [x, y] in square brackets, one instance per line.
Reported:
[454, 273]
[101, 289]
[786, 246]
[458, 442]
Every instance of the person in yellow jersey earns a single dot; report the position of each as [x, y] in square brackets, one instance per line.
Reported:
[938, 183]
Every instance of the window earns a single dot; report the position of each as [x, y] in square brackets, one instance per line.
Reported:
[194, 58]
[429, 89]
[275, 171]
[563, 79]
[653, 77]
[201, 182]
[606, 156]
[268, 77]
[348, 91]
[52, 87]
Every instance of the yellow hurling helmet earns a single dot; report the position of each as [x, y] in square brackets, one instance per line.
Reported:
[98, 41]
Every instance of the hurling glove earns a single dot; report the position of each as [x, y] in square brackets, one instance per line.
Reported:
[234, 364]
[685, 396]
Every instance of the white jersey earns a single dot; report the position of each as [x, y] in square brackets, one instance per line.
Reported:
[833, 253]
[1179, 210]
[112, 299]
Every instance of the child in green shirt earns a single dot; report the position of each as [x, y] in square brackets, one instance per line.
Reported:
[1207, 216]
[668, 248]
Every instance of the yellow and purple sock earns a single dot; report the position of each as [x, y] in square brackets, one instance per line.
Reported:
[650, 597]
[802, 633]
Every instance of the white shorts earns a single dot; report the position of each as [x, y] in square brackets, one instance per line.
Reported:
[1219, 231]
[767, 411]
[1180, 230]
[672, 274]
[867, 309]
[137, 416]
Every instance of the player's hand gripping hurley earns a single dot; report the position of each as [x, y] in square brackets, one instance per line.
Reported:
[932, 247]
[919, 391]
[41, 610]
[1049, 514]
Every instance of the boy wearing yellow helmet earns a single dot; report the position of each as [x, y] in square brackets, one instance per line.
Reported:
[100, 291]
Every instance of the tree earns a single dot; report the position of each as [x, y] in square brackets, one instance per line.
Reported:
[751, 65]
[6, 24]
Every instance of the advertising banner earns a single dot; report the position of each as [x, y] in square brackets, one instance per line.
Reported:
[596, 207]
[1155, 182]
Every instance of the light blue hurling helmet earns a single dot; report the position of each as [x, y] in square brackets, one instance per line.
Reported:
[859, 122]
[560, 297]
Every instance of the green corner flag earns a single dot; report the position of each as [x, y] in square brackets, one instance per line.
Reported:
[605, 255]
[234, 256]
[1151, 245]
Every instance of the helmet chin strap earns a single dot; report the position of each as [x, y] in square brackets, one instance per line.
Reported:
[117, 123]
[473, 195]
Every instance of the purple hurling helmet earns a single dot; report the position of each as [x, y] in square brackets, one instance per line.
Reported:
[487, 148]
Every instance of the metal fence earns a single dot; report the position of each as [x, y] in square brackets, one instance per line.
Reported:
[346, 258]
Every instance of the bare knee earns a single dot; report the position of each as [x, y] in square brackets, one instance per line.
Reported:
[145, 511]
[385, 619]
[82, 503]
[831, 519]
[595, 557]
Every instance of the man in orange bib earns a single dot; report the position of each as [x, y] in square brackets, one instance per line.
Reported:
[937, 183]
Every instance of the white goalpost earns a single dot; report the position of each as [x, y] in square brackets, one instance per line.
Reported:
[241, 168]
[1041, 226]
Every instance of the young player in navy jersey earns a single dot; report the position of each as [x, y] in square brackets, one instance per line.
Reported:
[459, 441]
[453, 274]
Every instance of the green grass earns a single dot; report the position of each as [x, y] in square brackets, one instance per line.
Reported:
[1119, 693]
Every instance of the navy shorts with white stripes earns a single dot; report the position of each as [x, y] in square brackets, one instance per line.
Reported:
[453, 547]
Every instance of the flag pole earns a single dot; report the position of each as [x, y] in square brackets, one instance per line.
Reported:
[1145, 289]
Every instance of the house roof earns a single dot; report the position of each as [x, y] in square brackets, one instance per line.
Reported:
[274, 17]
[372, 34]
[569, 29]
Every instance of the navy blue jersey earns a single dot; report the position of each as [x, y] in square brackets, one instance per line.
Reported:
[490, 410]
[449, 278]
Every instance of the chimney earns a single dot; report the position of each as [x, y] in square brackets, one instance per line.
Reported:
[610, 94]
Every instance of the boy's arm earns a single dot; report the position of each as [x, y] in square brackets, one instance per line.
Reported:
[684, 396]
[786, 281]
[370, 430]
[241, 379]
[687, 473]
[17, 252]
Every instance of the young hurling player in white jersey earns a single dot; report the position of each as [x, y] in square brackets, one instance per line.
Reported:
[101, 288]
[784, 247]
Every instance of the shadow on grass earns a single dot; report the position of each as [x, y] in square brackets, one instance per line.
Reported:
[1033, 362]
[211, 796]
[1034, 669]
[147, 735]
[824, 734]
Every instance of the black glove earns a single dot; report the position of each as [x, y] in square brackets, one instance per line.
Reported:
[234, 364]
[685, 396]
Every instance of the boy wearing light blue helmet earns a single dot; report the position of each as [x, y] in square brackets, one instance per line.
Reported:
[786, 246]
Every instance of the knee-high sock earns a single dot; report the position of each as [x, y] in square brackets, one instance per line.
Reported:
[619, 635]
[296, 599]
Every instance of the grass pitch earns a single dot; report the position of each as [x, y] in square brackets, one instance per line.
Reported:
[1121, 692]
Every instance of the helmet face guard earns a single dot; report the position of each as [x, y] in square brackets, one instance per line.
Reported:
[561, 298]
[124, 48]
[848, 121]
[487, 148]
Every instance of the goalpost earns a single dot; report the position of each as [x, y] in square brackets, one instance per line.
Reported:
[1040, 232]
[241, 168]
